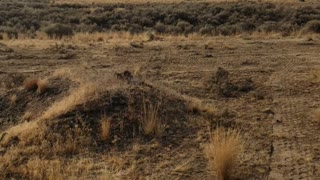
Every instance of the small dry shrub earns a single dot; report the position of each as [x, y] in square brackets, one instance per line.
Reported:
[105, 127]
[223, 152]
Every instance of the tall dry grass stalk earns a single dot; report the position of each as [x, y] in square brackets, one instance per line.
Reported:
[150, 122]
[223, 151]
[105, 125]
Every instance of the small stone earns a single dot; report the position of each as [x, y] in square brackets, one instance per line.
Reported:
[268, 111]
[2, 151]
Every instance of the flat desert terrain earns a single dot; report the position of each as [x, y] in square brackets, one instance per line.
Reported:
[161, 105]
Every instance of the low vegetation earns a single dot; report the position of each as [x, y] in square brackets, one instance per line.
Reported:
[223, 152]
[58, 31]
[150, 122]
[58, 20]
[34, 84]
[105, 127]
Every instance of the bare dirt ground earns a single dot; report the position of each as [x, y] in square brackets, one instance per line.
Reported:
[275, 113]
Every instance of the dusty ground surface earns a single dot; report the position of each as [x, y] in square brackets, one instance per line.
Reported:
[275, 114]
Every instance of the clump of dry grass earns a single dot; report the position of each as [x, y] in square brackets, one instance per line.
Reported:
[105, 125]
[150, 122]
[13, 99]
[31, 84]
[223, 152]
[198, 107]
[43, 86]
[34, 84]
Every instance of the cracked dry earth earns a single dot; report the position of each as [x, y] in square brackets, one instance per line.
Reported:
[283, 139]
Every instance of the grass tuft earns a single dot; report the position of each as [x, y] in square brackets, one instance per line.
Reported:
[150, 122]
[105, 127]
[43, 86]
[223, 152]
[35, 84]
[30, 84]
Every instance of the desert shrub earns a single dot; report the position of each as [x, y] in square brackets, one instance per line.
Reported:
[313, 26]
[58, 31]
[207, 30]
[246, 26]
[227, 30]
[227, 18]
[185, 26]
[160, 27]
[135, 28]
[268, 27]
[170, 29]
[11, 32]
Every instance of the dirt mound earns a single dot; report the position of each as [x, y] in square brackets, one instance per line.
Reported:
[127, 109]
[134, 109]
[221, 84]
[20, 104]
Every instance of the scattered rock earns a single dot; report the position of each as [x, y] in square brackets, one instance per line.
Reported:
[268, 111]
[2, 151]
[136, 44]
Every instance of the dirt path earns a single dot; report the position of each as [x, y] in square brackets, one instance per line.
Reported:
[296, 139]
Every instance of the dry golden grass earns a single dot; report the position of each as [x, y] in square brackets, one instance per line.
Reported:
[43, 86]
[197, 106]
[26, 116]
[35, 84]
[223, 151]
[77, 96]
[105, 125]
[60, 169]
[13, 99]
[150, 122]
[184, 166]
[31, 84]
[90, 88]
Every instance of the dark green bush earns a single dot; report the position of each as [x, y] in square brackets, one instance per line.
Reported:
[58, 31]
